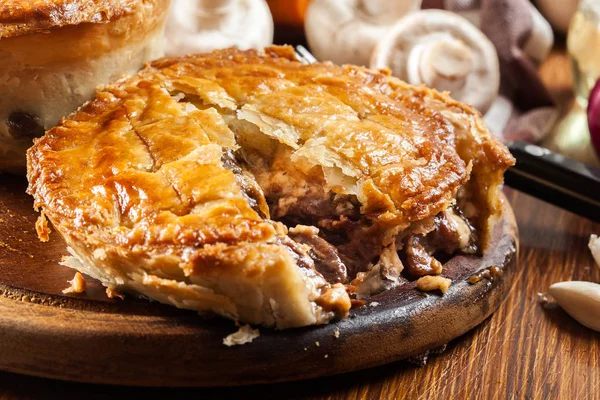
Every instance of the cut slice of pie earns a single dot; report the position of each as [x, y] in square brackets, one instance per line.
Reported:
[247, 184]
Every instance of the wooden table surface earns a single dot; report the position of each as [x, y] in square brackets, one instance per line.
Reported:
[523, 351]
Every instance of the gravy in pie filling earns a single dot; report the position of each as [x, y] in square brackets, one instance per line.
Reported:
[250, 185]
[325, 226]
[328, 227]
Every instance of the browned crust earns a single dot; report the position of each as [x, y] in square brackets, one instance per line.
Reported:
[403, 320]
[76, 42]
[19, 17]
[412, 192]
[135, 173]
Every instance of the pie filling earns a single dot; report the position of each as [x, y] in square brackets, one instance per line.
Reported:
[328, 233]
[247, 184]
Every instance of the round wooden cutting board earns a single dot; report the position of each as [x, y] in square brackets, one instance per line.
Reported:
[90, 338]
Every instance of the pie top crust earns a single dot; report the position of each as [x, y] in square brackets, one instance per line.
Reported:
[18, 17]
[138, 184]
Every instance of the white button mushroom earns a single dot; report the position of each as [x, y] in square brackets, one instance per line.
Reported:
[346, 31]
[442, 50]
[196, 26]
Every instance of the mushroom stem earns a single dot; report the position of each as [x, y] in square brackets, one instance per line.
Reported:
[443, 64]
[497, 117]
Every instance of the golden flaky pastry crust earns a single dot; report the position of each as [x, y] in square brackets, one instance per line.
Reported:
[19, 17]
[55, 53]
[154, 184]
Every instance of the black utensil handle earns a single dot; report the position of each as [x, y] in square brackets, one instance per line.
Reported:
[556, 179]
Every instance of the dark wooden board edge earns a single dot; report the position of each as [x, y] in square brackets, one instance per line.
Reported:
[131, 343]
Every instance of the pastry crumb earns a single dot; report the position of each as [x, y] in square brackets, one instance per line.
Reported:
[112, 293]
[326, 356]
[317, 344]
[306, 349]
[78, 284]
[429, 283]
[542, 298]
[42, 228]
[242, 336]
[373, 304]
[336, 333]
[355, 303]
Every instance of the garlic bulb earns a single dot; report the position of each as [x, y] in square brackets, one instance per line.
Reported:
[346, 31]
[581, 300]
[442, 50]
[197, 26]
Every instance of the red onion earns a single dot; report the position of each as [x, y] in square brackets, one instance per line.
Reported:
[593, 115]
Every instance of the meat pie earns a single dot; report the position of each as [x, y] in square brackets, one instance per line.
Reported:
[246, 184]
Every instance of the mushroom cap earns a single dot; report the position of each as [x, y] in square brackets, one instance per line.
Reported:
[199, 26]
[346, 31]
[442, 50]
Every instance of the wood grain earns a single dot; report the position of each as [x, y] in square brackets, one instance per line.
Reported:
[522, 352]
[90, 338]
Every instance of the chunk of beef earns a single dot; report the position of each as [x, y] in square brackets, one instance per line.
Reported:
[325, 256]
[451, 233]
[253, 192]
[417, 259]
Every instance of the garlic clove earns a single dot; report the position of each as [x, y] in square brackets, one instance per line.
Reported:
[581, 300]
[442, 50]
[594, 245]
[540, 40]
[498, 116]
